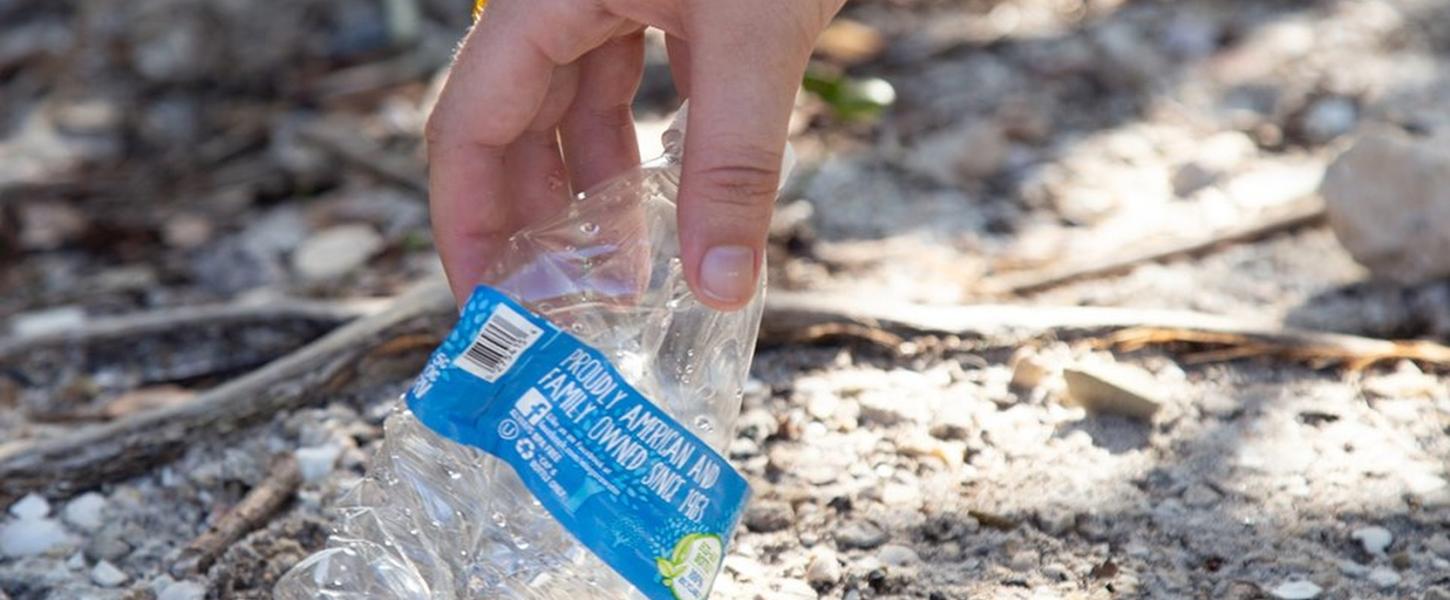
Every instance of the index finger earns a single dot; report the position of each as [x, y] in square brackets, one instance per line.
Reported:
[495, 87]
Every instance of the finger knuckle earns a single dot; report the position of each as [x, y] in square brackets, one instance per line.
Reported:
[745, 181]
[613, 117]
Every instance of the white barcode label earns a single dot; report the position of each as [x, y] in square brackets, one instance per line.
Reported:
[504, 337]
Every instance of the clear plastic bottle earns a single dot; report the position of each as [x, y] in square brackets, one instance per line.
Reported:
[437, 519]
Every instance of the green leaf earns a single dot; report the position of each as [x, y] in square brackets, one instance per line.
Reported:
[850, 99]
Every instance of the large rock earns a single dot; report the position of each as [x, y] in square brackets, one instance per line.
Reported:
[1388, 198]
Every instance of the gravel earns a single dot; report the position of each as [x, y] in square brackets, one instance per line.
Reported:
[938, 468]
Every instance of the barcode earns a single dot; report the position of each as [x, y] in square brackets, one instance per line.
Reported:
[503, 337]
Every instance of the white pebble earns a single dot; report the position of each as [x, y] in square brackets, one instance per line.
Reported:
[182, 590]
[76, 561]
[336, 251]
[86, 511]
[29, 537]
[1385, 578]
[824, 568]
[900, 494]
[793, 589]
[106, 574]
[895, 555]
[1299, 589]
[316, 463]
[1375, 539]
[32, 506]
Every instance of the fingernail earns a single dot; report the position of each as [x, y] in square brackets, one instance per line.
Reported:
[728, 273]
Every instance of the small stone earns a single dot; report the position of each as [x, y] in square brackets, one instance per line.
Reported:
[1439, 544]
[768, 515]
[1216, 157]
[745, 568]
[108, 544]
[1085, 205]
[1028, 371]
[106, 574]
[1114, 389]
[1023, 561]
[1056, 572]
[793, 589]
[1200, 496]
[1384, 577]
[1374, 539]
[952, 422]
[86, 511]
[336, 251]
[1329, 118]
[892, 408]
[32, 506]
[1298, 589]
[30, 537]
[860, 535]
[1353, 569]
[182, 590]
[824, 569]
[316, 463]
[896, 555]
[1388, 201]
[76, 561]
[1191, 177]
[900, 494]
[823, 405]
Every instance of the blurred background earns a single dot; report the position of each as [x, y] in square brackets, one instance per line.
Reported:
[1275, 162]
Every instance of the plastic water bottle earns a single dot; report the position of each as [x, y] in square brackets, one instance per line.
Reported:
[436, 518]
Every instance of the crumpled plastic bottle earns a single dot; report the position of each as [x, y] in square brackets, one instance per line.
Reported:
[438, 519]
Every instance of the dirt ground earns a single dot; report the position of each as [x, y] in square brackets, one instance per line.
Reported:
[161, 154]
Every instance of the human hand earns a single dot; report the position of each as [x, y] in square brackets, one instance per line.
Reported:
[537, 106]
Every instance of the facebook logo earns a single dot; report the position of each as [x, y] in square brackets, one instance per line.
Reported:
[532, 407]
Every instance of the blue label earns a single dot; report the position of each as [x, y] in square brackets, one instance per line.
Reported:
[651, 499]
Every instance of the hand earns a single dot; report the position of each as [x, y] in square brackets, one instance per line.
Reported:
[538, 104]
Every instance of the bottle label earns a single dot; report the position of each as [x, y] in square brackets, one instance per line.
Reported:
[637, 488]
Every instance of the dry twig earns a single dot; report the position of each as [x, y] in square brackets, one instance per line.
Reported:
[127, 327]
[788, 313]
[88, 457]
[362, 151]
[1297, 214]
[251, 513]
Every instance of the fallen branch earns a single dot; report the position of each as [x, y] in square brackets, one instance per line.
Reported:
[251, 513]
[788, 313]
[410, 327]
[1302, 213]
[85, 458]
[364, 152]
[1354, 352]
[129, 327]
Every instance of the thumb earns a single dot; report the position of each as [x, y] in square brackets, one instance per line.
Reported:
[745, 66]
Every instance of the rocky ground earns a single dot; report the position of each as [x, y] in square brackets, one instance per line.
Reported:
[166, 154]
